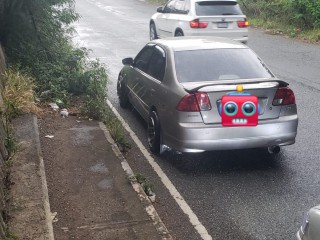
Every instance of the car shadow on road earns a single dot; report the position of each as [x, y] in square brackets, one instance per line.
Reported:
[225, 161]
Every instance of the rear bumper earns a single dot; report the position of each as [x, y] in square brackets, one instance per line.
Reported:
[198, 137]
[239, 35]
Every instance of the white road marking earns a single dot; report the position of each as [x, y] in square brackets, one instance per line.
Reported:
[165, 180]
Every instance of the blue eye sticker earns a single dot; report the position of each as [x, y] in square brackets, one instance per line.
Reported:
[248, 109]
[230, 109]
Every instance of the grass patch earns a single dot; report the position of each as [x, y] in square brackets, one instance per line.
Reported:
[10, 235]
[116, 130]
[18, 98]
[159, 2]
[18, 94]
[278, 28]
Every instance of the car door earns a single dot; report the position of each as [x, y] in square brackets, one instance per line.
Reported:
[176, 19]
[136, 87]
[155, 92]
[165, 30]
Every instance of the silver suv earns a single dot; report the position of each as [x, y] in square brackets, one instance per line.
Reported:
[200, 18]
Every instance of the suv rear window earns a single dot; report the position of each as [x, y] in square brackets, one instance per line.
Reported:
[212, 8]
[219, 64]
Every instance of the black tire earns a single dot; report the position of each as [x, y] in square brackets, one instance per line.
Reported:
[154, 133]
[153, 32]
[122, 94]
[178, 34]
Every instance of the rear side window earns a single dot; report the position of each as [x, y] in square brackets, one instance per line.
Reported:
[180, 6]
[219, 64]
[157, 64]
[212, 8]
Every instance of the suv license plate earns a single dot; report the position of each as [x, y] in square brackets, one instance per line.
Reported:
[222, 25]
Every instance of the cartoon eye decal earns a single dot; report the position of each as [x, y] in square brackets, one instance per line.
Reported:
[248, 109]
[230, 108]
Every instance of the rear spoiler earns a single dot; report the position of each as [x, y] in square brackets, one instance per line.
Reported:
[236, 82]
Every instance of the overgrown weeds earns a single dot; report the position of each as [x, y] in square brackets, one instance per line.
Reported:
[159, 2]
[299, 13]
[278, 28]
[298, 19]
[10, 235]
[18, 94]
[94, 83]
[145, 183]
[18, 97]
[116, 130]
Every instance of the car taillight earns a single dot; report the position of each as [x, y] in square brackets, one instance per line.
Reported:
[203, 101]
[194, 103]
[243, 24]
[197, 24]
[284, 96]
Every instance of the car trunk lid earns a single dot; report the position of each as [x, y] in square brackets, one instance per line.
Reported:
[264, 90]
[224, 22]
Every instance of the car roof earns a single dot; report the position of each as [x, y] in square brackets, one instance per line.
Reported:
[198, 43]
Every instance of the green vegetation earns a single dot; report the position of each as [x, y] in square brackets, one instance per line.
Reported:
[295, 18]
[43, 63]
[18, 94]
[145, 183]
[116, 130]
[18, 97]
[10, 235]
[159, 2]
[36, 38]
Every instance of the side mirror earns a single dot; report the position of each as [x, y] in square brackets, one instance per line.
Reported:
[127, 61]
[160, 9]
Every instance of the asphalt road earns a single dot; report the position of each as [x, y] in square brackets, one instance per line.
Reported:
[236, 194]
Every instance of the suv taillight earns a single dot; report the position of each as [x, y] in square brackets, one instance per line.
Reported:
[243, 24]
[194, 103]
[284, 96]
[197, 24]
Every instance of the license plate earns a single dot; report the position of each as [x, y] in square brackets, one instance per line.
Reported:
[222, 25]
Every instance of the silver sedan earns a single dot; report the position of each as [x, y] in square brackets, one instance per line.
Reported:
[178, 86]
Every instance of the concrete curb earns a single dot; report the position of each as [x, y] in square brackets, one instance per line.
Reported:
[43, 182]
[151, 211]
[30, 215]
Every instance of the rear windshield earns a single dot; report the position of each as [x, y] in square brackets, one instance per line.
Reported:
[213, 8]
[219, 64]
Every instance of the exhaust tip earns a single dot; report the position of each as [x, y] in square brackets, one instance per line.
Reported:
[274, 149]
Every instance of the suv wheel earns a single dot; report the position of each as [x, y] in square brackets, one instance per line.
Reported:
[178, 34]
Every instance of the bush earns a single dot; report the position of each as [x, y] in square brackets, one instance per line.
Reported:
[300, 13]
[18, 94]
[35, 35]
[307, 13]
[93, 82]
